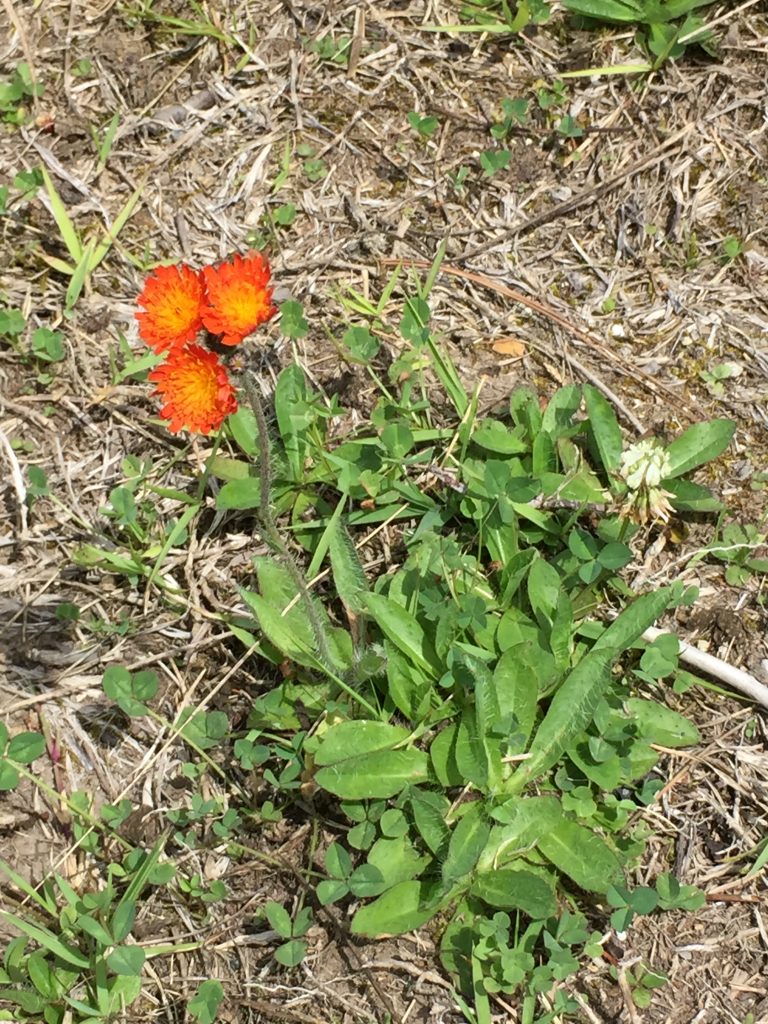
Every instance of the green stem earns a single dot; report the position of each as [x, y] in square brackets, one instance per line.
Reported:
[269, 528]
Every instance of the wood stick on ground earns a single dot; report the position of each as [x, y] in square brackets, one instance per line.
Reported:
[734, 677]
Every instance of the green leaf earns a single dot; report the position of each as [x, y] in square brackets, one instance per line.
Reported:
[12, 321]
[397, 439]
[95, 929]
[470, 751]
[292, 632]
[606, 10]
[396, 911]
[409, 688]
[493, 160]
[290, 954]
[442, 754]
[203, 729]
[659, 724]
[379, 775]
[129, 691]
[396, 860]
[362, 345]
[290, 401]
[338, 862]
[699, 444]
[69, 954]
[239, 494]
[574, 704]
[367, 880]
[351, 739]
[402, 629]
[673, 896]
[41, 975]
[511, 889]
[604, 427]
[25, 747]
[126, 960]
[466, 844]
[204, 1005]
[558, 415]
[331, 890]
[517, 693]
[243, 427]
[524, 821]
[292, 322]
[429, 811]
[122, 920]
[582, 855]
[495, 436]
[413, 325]
[279, 919]
[9, 777]
[66, 228]
[544, 587]
[688, 496]
[348, 575]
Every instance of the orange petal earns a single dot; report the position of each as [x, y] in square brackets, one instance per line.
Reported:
[172, 297]
[238, 297]
[196, 390]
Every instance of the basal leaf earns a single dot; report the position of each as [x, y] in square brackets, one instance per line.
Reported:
[700, 443]
[511, 889]
[523, 821]
[442, 754]
[690, 497]
[348, 575]
[517, 691]
[402, 629]
[429, 811]
[604, 428]
[466, 844]
[401, 909]
[659, 724]
[293, 415]
[470, 751]
[606, 10]
[379, 775]
[351, 739]
[409, 688]
[397, 860]
[582, 855]
[243, 493]
[574, 704]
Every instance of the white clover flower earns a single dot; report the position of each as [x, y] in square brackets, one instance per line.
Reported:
[643, 466]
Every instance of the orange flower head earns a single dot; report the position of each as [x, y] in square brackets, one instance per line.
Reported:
[195, 388]
[172, 298]
[239, 297]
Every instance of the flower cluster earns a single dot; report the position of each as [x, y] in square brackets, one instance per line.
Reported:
[643, 466]
[229, 300]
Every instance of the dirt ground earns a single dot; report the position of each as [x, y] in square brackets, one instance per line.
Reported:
[613, 245]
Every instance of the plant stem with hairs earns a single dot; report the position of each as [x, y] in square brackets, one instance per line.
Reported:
[268, 525]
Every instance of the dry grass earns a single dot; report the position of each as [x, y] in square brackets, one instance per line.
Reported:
[203, 128]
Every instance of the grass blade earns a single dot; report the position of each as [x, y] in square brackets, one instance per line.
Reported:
[66, 228]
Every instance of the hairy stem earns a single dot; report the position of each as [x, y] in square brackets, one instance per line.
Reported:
[268, 525]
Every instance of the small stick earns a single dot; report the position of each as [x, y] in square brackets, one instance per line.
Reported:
[733, 677]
